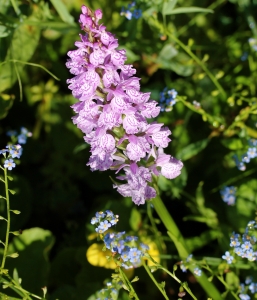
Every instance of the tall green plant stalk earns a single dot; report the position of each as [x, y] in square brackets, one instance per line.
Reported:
[181, 246]
[8, 220]
[127, 283]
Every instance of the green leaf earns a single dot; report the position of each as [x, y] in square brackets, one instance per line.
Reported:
[23, 44]
[135, 220]
[135, 279]
[245, 205]
[16, 276]
[17, 212]
[192, 149]
[205, 238]
[232, 280]
[14, 255]
[167, 52]
[62, 11]
[185, 10]
[12, 192]
[168, 7]
[232, 144]
[6, 102]
[15, 233]
[33, 246]
[58, 26]
[10, 178]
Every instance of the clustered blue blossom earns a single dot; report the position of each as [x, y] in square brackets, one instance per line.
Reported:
[228, 195]
[167, 99]
[243, 245]
[14, 151]
[189, 261]
[248, 286]
[104, 220]
[246, 157]
[131, 11]
[125, 248]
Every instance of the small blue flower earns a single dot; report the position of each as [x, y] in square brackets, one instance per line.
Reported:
[248, 280]
[131, 238]
[100, 215]
[234, 242]
[251, 152]
[9, 164]
[246, 246]
[22, 139]
[197, 271]
[244, 297]
[114, 221]
[228, 194]
[132, 4]
[144, 247]
[109, 214]
[103, 226]
[183, 267]
[94, 220]
[252, 142]
[229, 258]
[134, 252]
[239, 251]
[167, 99]
[16, 151]
[4, 151]
[253, 43]
[137, 13]
[253, 287]
[240, 165]
[189, 258]
[250, 255]
[126, 13]
[125, 254]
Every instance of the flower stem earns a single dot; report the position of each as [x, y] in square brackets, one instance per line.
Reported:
[154, 280]
[181, 246]
[128, 284]
[200, 63]
[8, 219]
[179, 281]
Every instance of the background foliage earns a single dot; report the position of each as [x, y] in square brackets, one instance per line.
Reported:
[58, 194]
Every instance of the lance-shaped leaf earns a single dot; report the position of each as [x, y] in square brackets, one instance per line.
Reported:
[23, 44]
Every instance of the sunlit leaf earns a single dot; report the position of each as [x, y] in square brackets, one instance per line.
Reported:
[135, 220]
[185, 10]
[168, 7]
[233, 143]
[23, 44]
[192, 149]
[62, 11]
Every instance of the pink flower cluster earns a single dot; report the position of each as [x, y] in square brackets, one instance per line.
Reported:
[112, 112]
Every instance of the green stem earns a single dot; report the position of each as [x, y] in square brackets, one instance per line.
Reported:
[8, 218]
[158, 238]
[226, 285]
[176, 278]
[181, 246]
[200, 63]
[128, 284]
[155, 282]
[15, 7]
